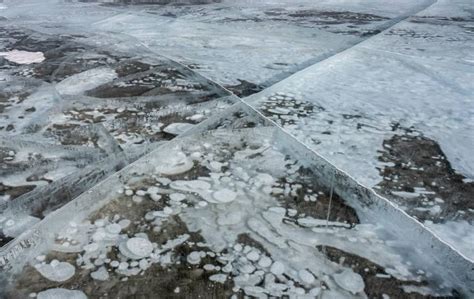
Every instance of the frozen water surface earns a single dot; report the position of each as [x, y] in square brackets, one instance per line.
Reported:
[130, 167]
[410, 82]
[257, 247]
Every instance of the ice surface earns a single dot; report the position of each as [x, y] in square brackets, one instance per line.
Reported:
[251, 41]
[413, 79]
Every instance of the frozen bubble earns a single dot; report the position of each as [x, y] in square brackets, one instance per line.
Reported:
[137, 199]
[306, 277]
[224, 195]
[230, 218]
[209, 267]
[123, 266]
[299, 291]
[177, 196]
[218, 278]
[265, 261]
[136, 248]
[350, 281]
[194, 258]
[227, 268]
[91, 247]
[253, 256]
[155, 197]
[140, 193]
[168, 210]
[60, 293]
[215, 166]
[129, 192]
[56, 271]
[100, 274]
[175, 163]
[178, 128]
[124, 223]
[163, 181]
[113, 228]
[279, 110]
[99, 223]
[277, 268]
[196, 155]
[248, 268]
[153, 190]
[315, 291]
[40, 258]
[54, 263]
[150, 215]
[143, 264]
[99, 235]
[264, 179]
[196, 117]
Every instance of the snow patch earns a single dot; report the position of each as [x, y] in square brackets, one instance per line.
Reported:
[23, 57]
